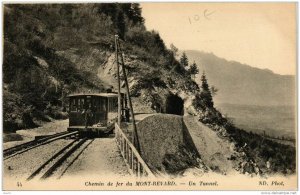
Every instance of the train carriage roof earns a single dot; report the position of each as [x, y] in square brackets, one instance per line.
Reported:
[94, 94]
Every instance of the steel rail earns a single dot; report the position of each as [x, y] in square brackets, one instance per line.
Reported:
[60, 161]
[36, 172]
[12, 149]
[75, 159]
[33, 144]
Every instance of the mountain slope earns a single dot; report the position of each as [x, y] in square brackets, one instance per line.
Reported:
[52, 50]
[243, 84]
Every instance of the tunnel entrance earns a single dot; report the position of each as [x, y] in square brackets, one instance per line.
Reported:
[174, 105]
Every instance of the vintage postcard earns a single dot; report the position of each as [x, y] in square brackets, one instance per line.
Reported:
[149, 96]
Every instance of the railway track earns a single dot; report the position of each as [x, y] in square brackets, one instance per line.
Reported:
[59, 159]
[10, 152]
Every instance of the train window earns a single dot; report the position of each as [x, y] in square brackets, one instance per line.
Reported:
[82, 103]
[108, 105]
[88, 102]
[93, 104]
[116, 104]
[97, 104]
[113, 104]
[73, 104]
[103, 104]
[78, 104]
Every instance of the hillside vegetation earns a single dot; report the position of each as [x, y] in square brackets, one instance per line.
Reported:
[51, 50]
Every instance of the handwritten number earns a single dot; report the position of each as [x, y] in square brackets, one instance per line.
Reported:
[206, 15]
[190, 20]
[196, 17]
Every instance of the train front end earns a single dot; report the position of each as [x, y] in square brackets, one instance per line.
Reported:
[93, 114]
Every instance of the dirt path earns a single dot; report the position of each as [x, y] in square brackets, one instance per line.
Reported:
[140, 117]
[100, 159]
[214, 151]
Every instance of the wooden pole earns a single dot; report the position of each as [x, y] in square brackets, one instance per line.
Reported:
[135, 135]
[119, 84]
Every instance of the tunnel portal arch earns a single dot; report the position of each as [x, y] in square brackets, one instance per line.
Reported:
[174, 105]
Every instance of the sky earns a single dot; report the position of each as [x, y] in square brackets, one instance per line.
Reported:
[261, 35]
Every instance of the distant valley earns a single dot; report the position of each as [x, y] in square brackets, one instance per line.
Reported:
[275, 121]
[254, 99]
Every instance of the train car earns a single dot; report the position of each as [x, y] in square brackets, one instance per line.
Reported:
[93, 114]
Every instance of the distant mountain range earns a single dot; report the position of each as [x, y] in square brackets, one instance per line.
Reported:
[242, 84]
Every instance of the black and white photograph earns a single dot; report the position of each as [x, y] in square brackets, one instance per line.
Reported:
[149, 96]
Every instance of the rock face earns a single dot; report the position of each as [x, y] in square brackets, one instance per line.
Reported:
[166, 145]
[178, 145]
[168, 99]
[214, 150]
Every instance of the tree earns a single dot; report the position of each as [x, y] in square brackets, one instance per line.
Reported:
[109, 9]
[133, 11]
[136, 14]
[120, 13]
[203, 100]
[174, 50]
[184, 60]
[120, 24]
[205, 93]
[193, 69]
